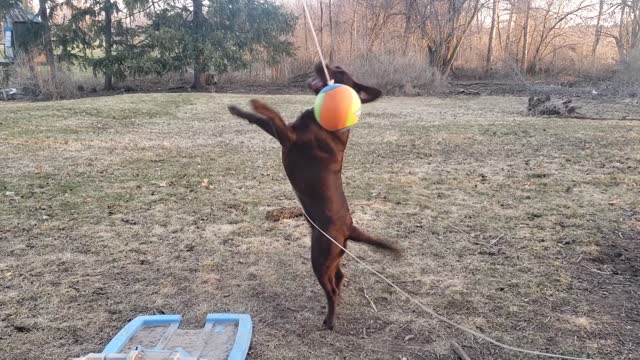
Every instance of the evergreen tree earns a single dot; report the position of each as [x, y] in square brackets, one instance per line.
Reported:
[175, 38]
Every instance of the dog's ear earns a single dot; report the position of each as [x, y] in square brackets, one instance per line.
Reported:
[319, 80]
[367, 93]
[341, 76]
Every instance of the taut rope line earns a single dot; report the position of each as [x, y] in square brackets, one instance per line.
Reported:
[315, 39]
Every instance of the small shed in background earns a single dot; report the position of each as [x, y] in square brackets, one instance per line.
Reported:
[21, 30]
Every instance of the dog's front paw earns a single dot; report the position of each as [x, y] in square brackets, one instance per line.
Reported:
[257, 105]
[234, 110]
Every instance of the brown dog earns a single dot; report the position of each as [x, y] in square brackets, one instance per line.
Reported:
[312, 158]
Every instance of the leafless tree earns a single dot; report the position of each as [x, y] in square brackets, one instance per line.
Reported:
[443, 25]
[532, 34]
[549, 20]
[492, 33]
[331, 33]
[598, 31]
[525, 37]
[48, 45]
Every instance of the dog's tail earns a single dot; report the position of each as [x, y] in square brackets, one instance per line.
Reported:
[359, 235]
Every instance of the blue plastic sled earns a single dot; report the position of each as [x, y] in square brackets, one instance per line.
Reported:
[223, 337]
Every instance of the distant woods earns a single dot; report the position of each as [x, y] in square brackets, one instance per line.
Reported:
[268, 39]
[525, 36]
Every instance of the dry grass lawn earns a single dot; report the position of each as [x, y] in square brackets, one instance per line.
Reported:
[527, 229]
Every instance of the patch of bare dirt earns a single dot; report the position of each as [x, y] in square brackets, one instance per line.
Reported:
[280, 214]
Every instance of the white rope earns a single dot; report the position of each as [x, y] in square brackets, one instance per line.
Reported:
[430, 310]
[315, 39]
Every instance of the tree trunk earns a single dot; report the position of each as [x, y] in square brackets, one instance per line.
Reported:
[499, 32]
[321, 25]
[331, 34]
[517, 48]
[108, 44]
[492, 34]
[448, 62]
[453, 41]
[525, 38]
[365, 33]
[306, 42]
[596, 39]
[48, 45]
[354, 29]
[32, 67]
[407, 22]
[198, 54]
[507, 45]
[620, 40]
[634, 10]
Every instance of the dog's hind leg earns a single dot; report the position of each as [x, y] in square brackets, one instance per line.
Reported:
[339, 278]
[324, 267]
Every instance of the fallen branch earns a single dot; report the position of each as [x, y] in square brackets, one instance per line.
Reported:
[368, 298]
[458, 350]
[598, 271]
[496, 240]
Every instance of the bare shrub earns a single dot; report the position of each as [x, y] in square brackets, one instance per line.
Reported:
[628, 77]
[398, 75]
[394, 75]
[168, 81]
[32, 80]
[261, 73]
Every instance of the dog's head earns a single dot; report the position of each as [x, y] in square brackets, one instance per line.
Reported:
[341, 76]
